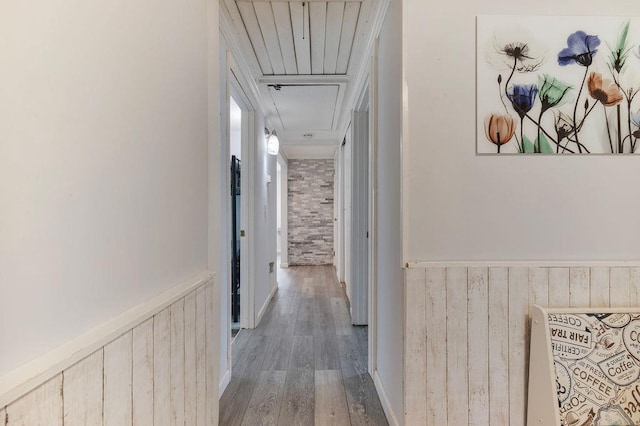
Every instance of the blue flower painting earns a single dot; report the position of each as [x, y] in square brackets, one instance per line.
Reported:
[565, 85]
[522, 97]
[582, 48]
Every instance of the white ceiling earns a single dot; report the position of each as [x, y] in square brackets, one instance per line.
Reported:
[314, 52]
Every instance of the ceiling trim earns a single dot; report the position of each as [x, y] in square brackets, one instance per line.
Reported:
[236, 89]
[363, 102]
[245, 70]
[303, 79]
[364, 51]
[343, 88]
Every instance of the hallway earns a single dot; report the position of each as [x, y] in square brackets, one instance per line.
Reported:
[305, 363]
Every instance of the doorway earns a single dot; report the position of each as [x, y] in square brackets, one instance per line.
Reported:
[235, 150]
[237, 167]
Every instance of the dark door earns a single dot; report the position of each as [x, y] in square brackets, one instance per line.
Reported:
[235, 242]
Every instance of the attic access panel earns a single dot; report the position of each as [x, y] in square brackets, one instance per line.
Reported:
[305, 107]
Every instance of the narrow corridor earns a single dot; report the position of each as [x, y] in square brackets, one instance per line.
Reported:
[305, 363]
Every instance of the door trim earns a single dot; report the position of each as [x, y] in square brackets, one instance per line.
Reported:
[284, 210]
[373, 249]
[247, 197]
[234, 88]
[247, 246]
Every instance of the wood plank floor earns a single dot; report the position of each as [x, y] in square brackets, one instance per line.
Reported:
[305, 364]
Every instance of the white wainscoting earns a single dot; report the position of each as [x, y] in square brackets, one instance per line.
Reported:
[158, 372]
[467, 334]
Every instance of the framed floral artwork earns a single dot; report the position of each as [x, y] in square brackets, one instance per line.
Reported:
[558, 85]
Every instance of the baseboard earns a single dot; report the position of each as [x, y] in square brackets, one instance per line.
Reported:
[384, 400]
[226, 379]
[24, 379]
[263, 309]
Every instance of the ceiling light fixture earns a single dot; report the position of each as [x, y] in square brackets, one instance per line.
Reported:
[273, 143]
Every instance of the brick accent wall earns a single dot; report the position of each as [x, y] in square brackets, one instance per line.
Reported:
[310, 201]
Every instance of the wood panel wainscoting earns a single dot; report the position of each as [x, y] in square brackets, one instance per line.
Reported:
[467, 333]
[154, 365]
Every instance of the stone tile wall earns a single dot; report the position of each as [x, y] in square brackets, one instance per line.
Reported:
[310, 201]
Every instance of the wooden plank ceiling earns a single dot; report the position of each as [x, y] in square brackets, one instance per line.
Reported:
[301, 38]
[307, 61]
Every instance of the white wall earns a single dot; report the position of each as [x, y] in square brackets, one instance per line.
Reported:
[103, 164]
[464, 207]
[265, 226]
[388, 220]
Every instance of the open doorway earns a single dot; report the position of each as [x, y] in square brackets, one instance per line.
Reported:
[353, 211]
[240, 205]
[235, 150]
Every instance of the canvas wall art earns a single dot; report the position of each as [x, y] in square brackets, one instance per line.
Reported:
[558, 85]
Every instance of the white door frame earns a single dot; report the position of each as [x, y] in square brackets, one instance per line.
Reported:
[284, 210]
[225, 288]
[373, 249]
[338, 231]
[247, 247]
[347, 209]
[234, 89]
[247, 198]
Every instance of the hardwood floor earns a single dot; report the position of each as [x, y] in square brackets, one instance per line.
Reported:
[305, 363]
